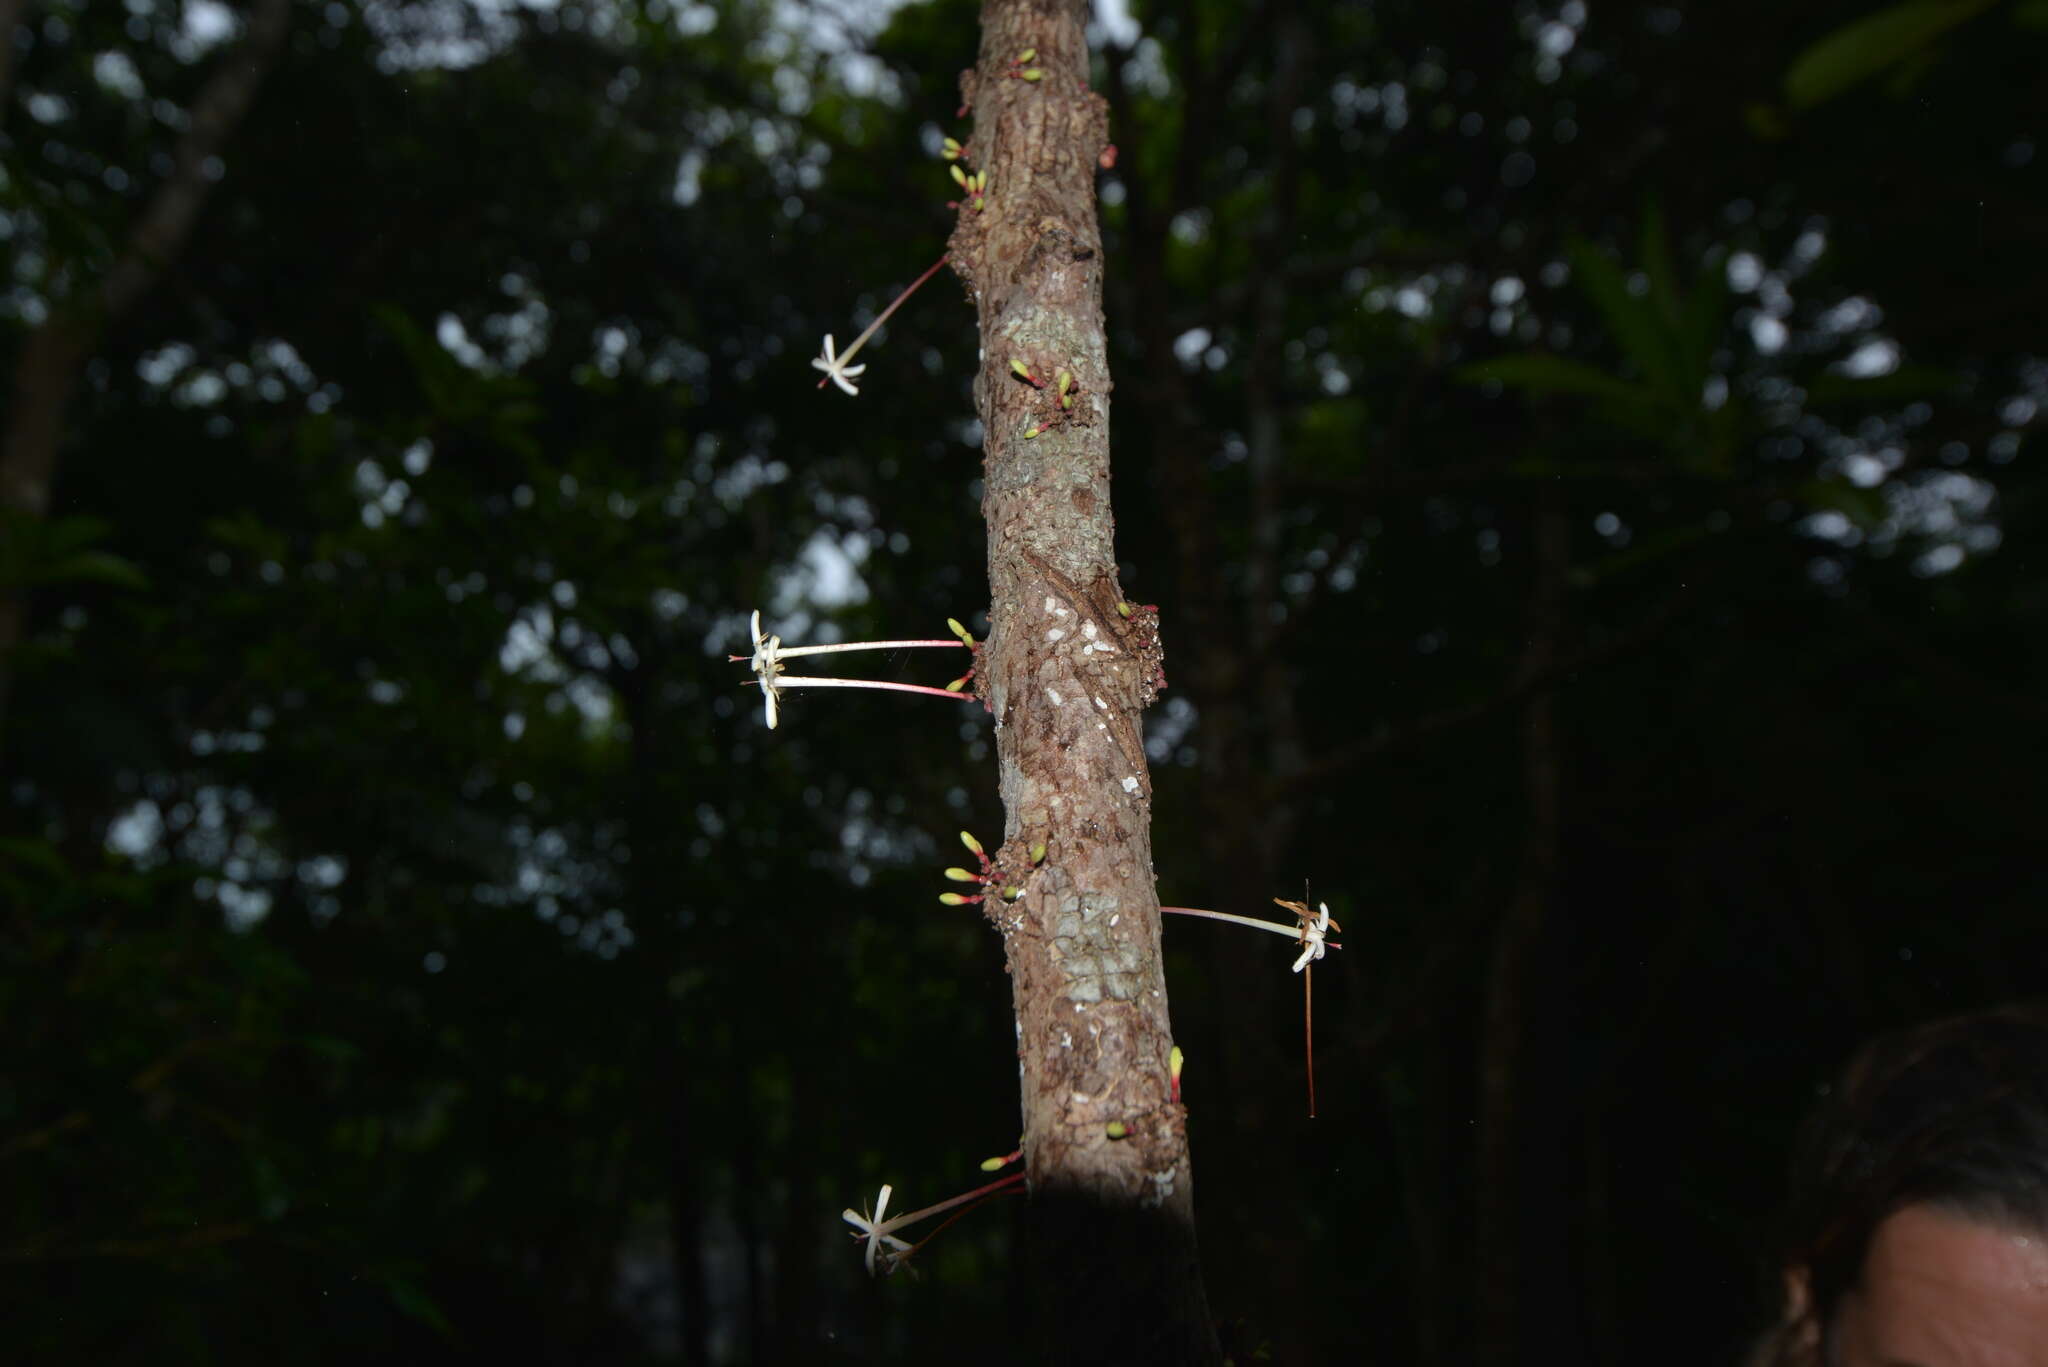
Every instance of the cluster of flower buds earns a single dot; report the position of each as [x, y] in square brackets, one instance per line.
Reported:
[975, 183]
[1065, 390]
[986, 880]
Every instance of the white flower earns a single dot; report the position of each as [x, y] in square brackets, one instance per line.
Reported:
[1313, 929]
[770, 656]
[836, 368]
[876, 1233]
[767, 666]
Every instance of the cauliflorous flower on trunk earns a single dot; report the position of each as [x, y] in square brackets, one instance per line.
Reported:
[875, 1231]
[1311, 930]
[893, 1252]
[769, 655]
[834, 363]
[836, 368]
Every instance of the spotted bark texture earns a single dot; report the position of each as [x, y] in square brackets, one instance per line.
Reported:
[1067, 670]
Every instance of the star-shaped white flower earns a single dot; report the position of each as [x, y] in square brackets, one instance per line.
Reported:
[836, 368]
[876, 1233]
[1313, 929]
[767, 665]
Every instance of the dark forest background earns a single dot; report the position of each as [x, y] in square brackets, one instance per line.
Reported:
[1586, 459]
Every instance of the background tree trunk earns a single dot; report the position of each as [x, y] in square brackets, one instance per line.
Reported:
[1067, 673]
[12, 14]
[46, 373]
[1520, 1160]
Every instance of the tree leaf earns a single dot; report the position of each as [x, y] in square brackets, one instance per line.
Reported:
[1867, 508]
[1865, 47]
[39, 853]
[1655, 254]
[1902, 385]
[1542, 373]
[1704, 315]
[1632, 320]
[1647, 551]
[98, 567]
[408, 1296]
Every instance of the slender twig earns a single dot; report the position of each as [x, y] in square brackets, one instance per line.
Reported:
[36, 1139]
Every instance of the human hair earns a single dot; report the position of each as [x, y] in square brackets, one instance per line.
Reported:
[1952, 1114]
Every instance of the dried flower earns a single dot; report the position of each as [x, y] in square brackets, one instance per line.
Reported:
[1312, 931]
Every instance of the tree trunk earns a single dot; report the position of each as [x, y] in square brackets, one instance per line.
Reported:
[13, 13]
[1519, 1147]
[47, 370]
[651, 903]
[1066, 670]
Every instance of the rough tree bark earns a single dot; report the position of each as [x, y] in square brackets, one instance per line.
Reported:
[1067, 669]
[53, 356]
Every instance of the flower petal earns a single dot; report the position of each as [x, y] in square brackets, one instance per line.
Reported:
[875, 1230]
